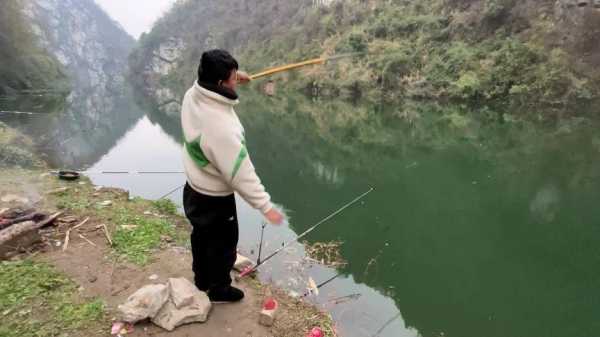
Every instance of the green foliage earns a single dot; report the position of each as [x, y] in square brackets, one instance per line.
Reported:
[495, 8]
[137, 236]
[35, 300]
[357, 42]
[25, 66]
[165, 206]
[448, 50]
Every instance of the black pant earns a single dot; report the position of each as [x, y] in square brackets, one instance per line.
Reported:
[214, 237]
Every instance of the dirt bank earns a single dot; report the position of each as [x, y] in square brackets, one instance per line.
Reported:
[148, 239]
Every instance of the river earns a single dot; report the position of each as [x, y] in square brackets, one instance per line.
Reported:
[472, 230]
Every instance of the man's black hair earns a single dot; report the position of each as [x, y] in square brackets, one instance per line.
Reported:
[216, 65]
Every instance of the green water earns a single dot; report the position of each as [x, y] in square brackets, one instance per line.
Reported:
[475, 228]
[487, 231]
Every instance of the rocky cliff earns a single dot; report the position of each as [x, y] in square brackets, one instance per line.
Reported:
[507, 52]
[44, 42]
[24, 64]
[92, 51]
[92, 46]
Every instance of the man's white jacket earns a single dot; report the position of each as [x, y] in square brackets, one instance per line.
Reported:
[215, 156]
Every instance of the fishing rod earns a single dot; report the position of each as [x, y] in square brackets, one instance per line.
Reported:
[387, 323]
[262, 234]
[171, 192]
[124, 172]
[285, 245]
[345, 298]
[319, 60]
[322, 284]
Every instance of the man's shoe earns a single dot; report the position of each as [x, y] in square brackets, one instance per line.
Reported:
[227, 294]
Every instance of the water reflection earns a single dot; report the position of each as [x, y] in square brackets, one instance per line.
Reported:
[72, 132]
[482, 230]
[473, 230]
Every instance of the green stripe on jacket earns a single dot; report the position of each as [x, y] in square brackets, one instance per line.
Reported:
[195, 152]
[240, 158]
[197, 155]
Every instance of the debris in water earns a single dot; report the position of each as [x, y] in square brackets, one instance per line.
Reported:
[326, 253]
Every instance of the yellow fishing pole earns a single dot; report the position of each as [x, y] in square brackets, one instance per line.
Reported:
[320, 60]
[279, 69]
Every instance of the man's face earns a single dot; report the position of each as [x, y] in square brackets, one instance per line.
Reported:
[231, 82]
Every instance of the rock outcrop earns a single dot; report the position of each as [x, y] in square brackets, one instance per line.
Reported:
[92, 46]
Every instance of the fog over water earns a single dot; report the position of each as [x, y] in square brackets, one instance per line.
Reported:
[136, 16]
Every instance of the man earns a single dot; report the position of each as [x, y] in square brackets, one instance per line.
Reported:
[216, 163]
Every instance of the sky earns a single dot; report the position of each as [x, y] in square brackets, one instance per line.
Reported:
[136, 16]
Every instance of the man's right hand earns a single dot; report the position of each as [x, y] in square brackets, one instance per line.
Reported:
[274, 216]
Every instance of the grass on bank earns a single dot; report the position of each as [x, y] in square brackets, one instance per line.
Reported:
[138, 227]
[137, 236]
[16, 150]
[36, 300]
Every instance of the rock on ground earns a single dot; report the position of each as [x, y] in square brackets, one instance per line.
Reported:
[186, 304]
[144, 303]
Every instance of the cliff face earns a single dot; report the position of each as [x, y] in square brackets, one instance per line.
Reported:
[92, 50]
[24, 63]
[44, 42]
[518, 53]
[164, 62]
[83, 38]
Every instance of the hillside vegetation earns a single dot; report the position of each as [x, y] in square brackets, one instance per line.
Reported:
[501, 52]
[25, 64]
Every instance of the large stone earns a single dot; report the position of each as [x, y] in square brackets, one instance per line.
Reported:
[182, 292]
[144, 303]
[242, 263]
[186, 305]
